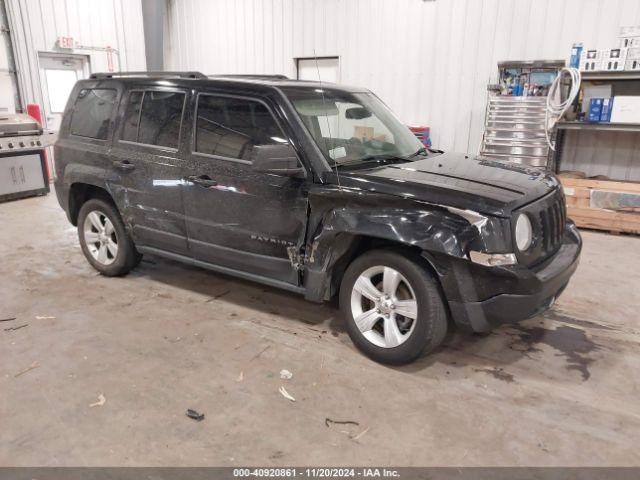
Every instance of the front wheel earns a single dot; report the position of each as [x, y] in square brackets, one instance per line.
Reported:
[392, 306]
[104, 239]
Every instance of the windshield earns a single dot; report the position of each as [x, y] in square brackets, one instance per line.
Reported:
[352, 127]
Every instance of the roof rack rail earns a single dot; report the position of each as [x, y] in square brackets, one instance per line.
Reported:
[255, 76]
[99, 76]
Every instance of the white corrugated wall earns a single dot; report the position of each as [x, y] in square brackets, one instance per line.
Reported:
[429, 60]
[36, 25]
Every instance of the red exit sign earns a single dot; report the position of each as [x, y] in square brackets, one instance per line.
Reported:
[66, 42]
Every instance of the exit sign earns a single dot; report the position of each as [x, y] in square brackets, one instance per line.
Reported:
[66, 42]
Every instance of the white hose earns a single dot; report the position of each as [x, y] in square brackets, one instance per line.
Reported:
[556, 108]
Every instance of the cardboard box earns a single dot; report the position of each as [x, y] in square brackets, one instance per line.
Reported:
[607, 105]
[628, 42]
[632, 65]
[629, 31]
[591, 60]
[590, 90]
[613, 60]
[595, 109]
[626, 109]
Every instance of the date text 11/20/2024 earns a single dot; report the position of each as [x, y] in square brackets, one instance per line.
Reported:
[316, 472]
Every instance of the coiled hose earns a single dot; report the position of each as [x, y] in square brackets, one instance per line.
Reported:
[556, 107]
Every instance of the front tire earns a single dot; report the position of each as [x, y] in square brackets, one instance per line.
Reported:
[104, 239]
[392, 306]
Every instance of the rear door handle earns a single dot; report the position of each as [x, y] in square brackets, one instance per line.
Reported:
[202, 180]
[124, 165]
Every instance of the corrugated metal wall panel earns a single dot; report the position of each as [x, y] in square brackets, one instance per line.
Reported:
[430, 61]
[36, 25]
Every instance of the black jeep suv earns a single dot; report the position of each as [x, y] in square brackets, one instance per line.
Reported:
[315, 188]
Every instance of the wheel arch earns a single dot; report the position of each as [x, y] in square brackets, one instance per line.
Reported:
[367, 243]
[80, 193]
[332, 251]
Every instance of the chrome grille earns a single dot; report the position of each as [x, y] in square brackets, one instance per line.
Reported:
[552, 220]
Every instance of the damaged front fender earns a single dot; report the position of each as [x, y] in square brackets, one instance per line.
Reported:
[335, 231]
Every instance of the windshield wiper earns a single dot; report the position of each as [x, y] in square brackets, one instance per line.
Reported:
[421, 151]
[382, 156]
[367, 158]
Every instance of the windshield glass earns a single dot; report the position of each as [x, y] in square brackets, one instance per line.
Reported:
[352, 127]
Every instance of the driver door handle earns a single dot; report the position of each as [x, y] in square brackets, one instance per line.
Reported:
[124, 165]
[202, 180]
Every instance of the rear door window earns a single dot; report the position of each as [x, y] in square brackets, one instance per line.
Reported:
[153, 118]
[92, 113]
[230, 127]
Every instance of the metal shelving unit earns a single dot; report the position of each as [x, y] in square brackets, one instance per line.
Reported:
[610, 76]
[616, 78]
[619, 127]
[585, 196]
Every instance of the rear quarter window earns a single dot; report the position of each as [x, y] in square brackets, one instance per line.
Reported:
[92, 113]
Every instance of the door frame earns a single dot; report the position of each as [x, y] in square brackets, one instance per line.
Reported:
[86, 68]
[232, 165]
[147, 157]
[326, 57]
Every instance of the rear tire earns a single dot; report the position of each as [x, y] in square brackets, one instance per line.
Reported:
[104, 239]
[392, 306]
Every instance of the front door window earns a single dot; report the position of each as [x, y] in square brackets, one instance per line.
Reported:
[230, 127]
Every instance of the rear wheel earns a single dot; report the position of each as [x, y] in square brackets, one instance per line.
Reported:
[392, 306]
[104, 239]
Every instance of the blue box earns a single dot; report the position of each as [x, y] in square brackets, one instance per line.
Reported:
[576, 53]
[595, 109]
[607, 106]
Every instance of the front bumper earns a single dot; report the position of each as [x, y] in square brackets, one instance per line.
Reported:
[529, 291]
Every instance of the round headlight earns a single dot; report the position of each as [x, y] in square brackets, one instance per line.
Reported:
[524, 232]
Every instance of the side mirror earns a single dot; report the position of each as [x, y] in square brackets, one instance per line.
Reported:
[277, 159]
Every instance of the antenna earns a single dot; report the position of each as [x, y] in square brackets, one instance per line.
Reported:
[326, 116]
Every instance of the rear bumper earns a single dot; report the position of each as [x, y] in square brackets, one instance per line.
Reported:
[531, 291]
[62, 194]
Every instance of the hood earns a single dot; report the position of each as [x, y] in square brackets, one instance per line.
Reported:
[455, 180]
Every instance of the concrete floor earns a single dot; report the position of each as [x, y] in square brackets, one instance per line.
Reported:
[556, 390]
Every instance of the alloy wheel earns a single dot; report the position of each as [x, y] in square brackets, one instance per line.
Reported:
[384, 306]
[100, 237]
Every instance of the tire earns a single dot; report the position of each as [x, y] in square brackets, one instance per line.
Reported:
[100, 227]
[416, 294]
